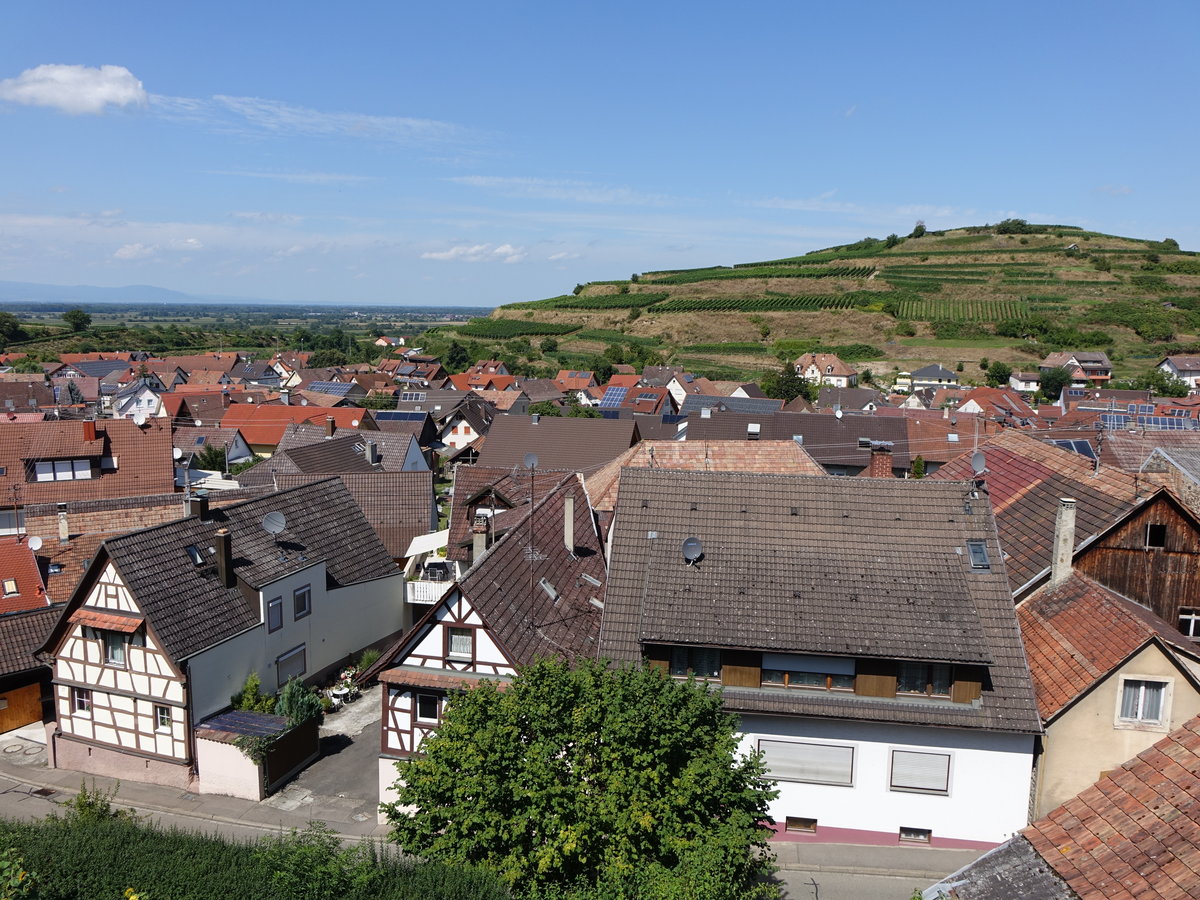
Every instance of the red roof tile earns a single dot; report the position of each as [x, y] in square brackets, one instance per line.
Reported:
[19, 571]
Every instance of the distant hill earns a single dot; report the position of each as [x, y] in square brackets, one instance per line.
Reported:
[1011, 292]
[29, 292]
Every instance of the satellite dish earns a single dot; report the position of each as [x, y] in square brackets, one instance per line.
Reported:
[531, 460]
[978, 462]
[274, 522]
[35, 543]
[837, 413]
[139, 420]
[177, 453]
[354, 423]
[197, 422]
[692, 550]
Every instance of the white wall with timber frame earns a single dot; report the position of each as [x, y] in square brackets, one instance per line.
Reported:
[134, 702]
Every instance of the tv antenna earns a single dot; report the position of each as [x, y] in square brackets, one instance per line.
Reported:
[693, 551]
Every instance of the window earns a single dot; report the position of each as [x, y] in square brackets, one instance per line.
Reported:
[162, 717]
[799, 823]
[462, 642]
[1142, 701]
[1189, 621]
[1156, 535]
[922, 773]
[810, 763]
[302, 601]
[81, 700]
[10, 587]
[977, 550]
[274, 614]
[10, 522]
[427, 708]
[114, 648]
[916, 835]
[290, 665]
[62, 470]
[804, 671]
[703, 662]
[931, 679]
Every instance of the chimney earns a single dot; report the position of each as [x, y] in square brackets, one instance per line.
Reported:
[89, 430]
[569, 524]
[330, 427]
[196, 505]
[1064, 541]
[535, 418]
[479, 537]
[881, 460]
[371, 452]
[224, 550]
[286, 396]
[64, 532]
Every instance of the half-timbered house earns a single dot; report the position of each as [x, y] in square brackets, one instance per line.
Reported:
[538, 591]
[167, 623]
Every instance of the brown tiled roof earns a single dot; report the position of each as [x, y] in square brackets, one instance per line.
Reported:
[1128, 450]
[765, 457]
[827, 439]
[22, 634]
[265, 425]
[399, 505]
[501, 400]
[111, 621]
[190, 609]
[475, 486]
[19, 566]
[560, 442]
[143, 455]
[413, 676]
[1025, 480]
[824, 361]
[539, 390]
[997, 402]
[1077, 633]
[804, 564]
[26, 395]
[1135, 833]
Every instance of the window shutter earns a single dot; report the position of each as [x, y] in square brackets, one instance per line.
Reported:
[875, 678]
[740, 668]
[658, 657]
[814, 763]
[913, 771]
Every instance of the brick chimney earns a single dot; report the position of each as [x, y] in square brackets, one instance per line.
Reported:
[330, 427]
[224, 548]
[89, 430]
[1064, 542]
[881, 461]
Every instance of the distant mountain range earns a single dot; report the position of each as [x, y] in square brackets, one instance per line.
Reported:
[30, 292]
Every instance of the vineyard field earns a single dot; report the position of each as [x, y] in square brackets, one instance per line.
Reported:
[962, 310]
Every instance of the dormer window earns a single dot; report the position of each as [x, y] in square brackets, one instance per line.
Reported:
[62, 470]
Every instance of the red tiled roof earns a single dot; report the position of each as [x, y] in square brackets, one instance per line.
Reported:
[18, 565]
[824, 361]
[1135, 833]
[1077, 633]
[107, 621]
[448, 681]
[265, 425]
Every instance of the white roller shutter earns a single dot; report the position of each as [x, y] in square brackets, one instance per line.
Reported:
[813, 763]
[925, 772]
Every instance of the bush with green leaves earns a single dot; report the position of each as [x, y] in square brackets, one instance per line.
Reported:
[298, 703]
[251, 697]
[591, 781]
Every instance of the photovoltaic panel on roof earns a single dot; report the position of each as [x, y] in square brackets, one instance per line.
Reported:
[1115, 420]
[613, 397]
[1083, 448]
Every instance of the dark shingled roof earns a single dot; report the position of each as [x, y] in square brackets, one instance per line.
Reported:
[190, 609]
[750, 405]
[565, 443]
[810, 564]
[476, 486]
[1012, 871]
[22, 634]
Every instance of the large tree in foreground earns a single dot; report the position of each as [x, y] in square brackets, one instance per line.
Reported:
[592, 781]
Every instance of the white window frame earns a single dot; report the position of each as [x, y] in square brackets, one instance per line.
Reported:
[163, 718]
[1162, 723]
[81, 701]
[285, 658]
[929, 758]
[10, 587]
[451, 653]
[437, 705]
[1189, 616]
[116, 649]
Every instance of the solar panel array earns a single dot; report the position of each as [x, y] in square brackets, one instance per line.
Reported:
[1083, 448]
[614, 396]
[1122, 421]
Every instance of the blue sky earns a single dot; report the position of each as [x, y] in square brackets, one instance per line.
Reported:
[477, 153]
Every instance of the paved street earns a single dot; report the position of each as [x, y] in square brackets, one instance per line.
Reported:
[340, 789]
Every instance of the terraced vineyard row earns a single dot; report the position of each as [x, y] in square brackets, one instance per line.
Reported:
[597, 301]
[510, 328]
[962, 310]
[769, 304]
[722, 273]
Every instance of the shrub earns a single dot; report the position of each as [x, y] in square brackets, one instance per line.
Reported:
[298, 703]
[251, 697]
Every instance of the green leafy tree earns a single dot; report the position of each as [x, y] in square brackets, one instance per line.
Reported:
[74, 394]
[458, 359]
[313, 865]
[10, 328]
[322, 359]
[1053, 381]
[918, 229]
[211, 458]
[549, 345]
[786, 384]
[77, 319]
[545, 408]
[298, 703]
[618, 781]
[1163, 384]
[918, 467]
[998, 374]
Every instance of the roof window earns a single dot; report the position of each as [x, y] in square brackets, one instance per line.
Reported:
[977, 550]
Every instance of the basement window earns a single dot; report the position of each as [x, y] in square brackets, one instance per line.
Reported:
[1156, 536]
[916, 835]
[979, 555]
[802, 824]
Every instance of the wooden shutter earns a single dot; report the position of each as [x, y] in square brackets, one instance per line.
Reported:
[741, 668]
[875, 678]
[967, 686]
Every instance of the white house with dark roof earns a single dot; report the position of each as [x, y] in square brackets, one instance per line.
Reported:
[826, 368]
[1185, 368]
[888, 692]
[167, 623]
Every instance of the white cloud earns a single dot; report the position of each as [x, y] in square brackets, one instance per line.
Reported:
[299, 177]
[506, 253]
[562, 254]
[1115, 190]
[268, 217]
[256, 115]
[74, 89]
[134, 251]
[556, 189]
[851, 111]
